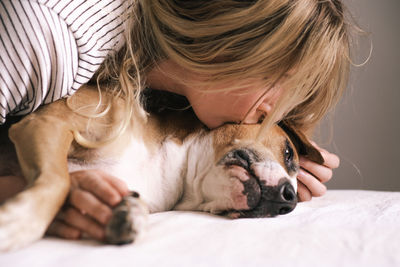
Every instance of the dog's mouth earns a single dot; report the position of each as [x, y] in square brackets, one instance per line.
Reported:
[262, 200]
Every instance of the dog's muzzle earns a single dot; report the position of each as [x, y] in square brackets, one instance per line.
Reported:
[262, 200]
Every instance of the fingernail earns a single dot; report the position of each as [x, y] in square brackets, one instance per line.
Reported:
[115, 200]
[301, 173]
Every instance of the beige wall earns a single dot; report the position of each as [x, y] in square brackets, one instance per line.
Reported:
[366, 131]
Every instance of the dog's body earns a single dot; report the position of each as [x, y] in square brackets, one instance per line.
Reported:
[171, 160]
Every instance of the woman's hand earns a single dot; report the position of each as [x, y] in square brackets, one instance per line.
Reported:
[312, 176]
[88, 207]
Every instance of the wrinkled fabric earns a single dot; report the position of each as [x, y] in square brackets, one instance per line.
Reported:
[342, 228]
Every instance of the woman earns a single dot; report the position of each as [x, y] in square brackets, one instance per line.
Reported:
[235, 61]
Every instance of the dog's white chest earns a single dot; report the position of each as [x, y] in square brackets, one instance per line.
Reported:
[155, 174]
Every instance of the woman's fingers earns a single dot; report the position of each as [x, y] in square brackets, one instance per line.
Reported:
[74, 219]
[331, 160]
[314, 186]
[303, 193]
[60, 229]
[87, 203]
[118, 184]
[312, 175]
[100, 184]
[321, 172]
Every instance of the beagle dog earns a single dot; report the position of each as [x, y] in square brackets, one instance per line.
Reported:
[169, 159]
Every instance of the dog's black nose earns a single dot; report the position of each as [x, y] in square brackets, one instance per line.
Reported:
[286, 199]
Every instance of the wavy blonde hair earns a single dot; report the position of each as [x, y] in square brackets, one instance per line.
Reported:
[231, 40]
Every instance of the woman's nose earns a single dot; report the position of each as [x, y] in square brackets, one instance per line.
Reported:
[265, 107]
[258, 114]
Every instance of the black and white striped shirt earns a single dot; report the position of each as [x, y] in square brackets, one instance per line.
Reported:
[49, 48]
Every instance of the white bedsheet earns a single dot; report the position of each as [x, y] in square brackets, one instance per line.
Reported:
[343, 228]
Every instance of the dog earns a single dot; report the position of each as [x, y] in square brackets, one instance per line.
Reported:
[168, 157]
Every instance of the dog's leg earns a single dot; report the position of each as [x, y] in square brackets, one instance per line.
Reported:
[42, 144]
[128, 220]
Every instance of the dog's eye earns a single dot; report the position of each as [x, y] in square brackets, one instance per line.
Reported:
[288, 153]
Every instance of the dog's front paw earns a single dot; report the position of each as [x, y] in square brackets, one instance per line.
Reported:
[20, 225]
[128, 220]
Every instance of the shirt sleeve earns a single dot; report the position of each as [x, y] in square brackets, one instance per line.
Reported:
[48, 49]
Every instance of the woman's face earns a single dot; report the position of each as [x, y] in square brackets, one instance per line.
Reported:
[213, 108]
[244, 105]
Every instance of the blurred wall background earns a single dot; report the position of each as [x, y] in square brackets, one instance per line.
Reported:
[365, 128]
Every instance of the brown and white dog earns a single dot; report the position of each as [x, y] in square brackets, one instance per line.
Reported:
[170, 159]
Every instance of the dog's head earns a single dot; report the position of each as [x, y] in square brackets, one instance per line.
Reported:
[238, 176]
[254, 178]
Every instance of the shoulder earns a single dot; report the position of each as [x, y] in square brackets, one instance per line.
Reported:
[96, 26]
[94, 29]
[92, 20]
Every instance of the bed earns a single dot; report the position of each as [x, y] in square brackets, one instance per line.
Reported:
[342, 228]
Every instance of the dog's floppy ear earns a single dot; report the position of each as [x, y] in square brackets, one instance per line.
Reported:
[300, 141]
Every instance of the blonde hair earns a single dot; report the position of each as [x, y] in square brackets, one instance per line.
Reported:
[228, 40]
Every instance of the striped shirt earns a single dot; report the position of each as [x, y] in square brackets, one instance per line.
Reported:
[49, 48]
